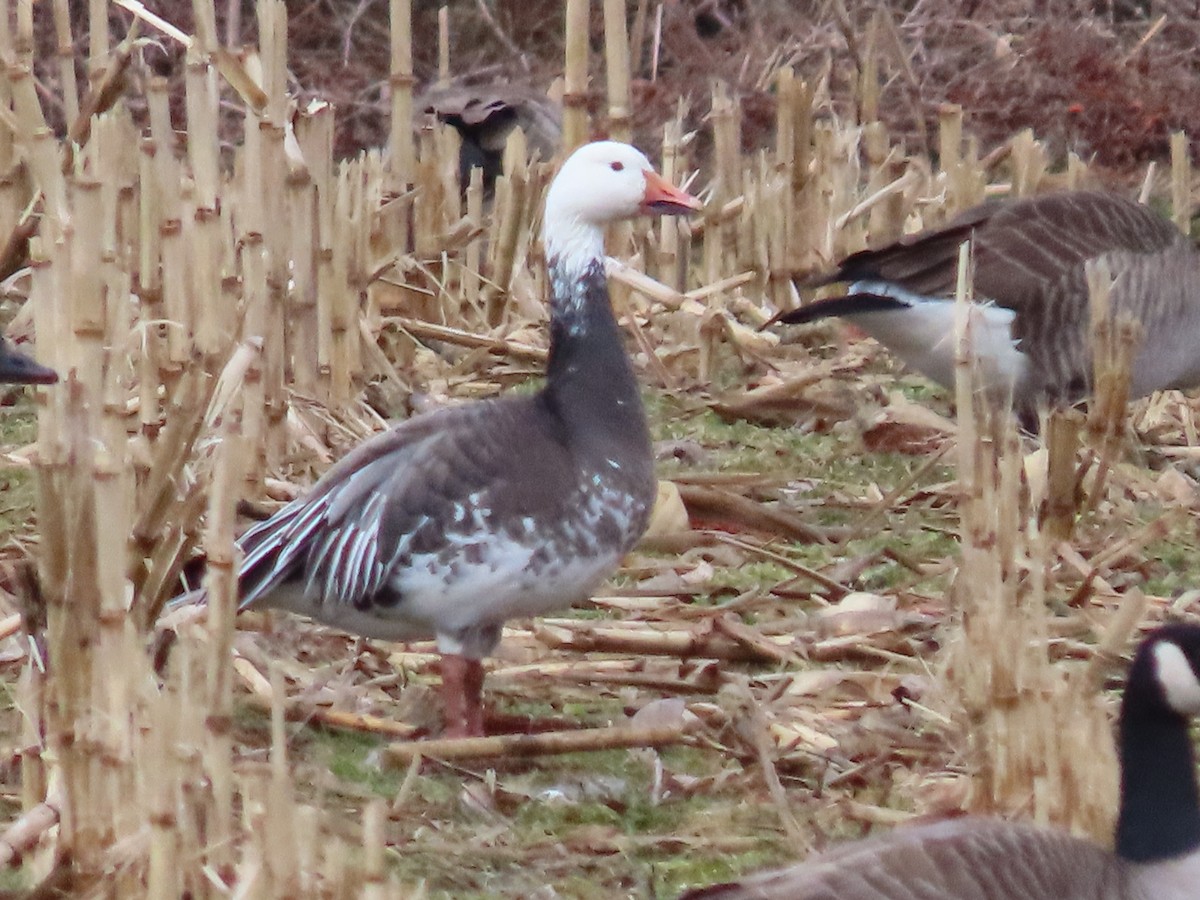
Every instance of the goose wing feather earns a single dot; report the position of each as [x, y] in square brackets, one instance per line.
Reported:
[395, 496]
[1021, 247]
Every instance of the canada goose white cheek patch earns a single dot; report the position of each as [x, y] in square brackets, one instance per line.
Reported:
[1181, 687]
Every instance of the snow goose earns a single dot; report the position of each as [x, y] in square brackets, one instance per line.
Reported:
[457, 520]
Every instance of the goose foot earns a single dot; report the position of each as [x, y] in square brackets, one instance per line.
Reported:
[462, 706]
[508, 723]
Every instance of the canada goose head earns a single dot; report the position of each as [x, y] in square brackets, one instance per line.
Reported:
[1157, 852]
[1160, 805]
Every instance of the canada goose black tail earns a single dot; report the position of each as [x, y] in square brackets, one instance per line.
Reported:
[846, 305]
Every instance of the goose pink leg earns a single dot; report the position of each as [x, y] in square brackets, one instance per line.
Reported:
[462, 704]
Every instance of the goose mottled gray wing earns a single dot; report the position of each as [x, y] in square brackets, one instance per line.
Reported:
[439, 527]
[1031, 258]
[962, 859]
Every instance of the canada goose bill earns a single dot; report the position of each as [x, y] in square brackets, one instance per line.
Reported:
[1157, 853]
[1031, 322]
[457, 520]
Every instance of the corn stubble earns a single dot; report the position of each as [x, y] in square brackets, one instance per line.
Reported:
[218, 312]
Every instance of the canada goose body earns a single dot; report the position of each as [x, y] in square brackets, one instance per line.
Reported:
[455, 521]
[485, 115]
[1031, 327]
[1157, 855]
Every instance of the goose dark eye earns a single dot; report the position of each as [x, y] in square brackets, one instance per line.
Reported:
[617, 166]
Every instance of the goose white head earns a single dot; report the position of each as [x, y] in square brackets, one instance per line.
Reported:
[600, 183]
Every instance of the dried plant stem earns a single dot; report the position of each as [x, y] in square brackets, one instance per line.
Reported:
[616, 58]
[23, 834]
[66, 55]
[575, 115]
[428, 331]
[525, 745]
[266, 696]
[1062, 431]
[752, 719]
[1114, 343]
[726, 505]
[402, 165]
[374, 847]
[1013, 701]
[221, 589]
[1181, 182]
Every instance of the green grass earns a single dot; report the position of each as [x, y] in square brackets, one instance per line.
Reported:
[582, 822]
[587, 824]
[18, 491]
[791, 454]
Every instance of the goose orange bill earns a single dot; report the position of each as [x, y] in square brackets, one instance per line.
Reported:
[663, 197]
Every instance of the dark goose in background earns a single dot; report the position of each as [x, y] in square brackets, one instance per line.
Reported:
[1032, 327]
[455, 521]
[485, 114]
[1157, 854]
[17, 368]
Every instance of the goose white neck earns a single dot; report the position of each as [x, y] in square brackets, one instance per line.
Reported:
[572, 247]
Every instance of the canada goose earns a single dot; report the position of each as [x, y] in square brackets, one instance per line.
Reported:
[485, 115]
[1032, 325]
[17, 368]
[455, 521]
[1157, 854]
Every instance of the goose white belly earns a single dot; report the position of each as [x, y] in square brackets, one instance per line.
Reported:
[922, 335]
[439, 599]
[482, 575]
[508, 583]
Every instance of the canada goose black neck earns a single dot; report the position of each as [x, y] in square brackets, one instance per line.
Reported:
[1160, 804]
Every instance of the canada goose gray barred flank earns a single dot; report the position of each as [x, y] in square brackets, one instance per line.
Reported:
[1032, 328]
[17, 368]
[1157, 854]
[455, 521]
